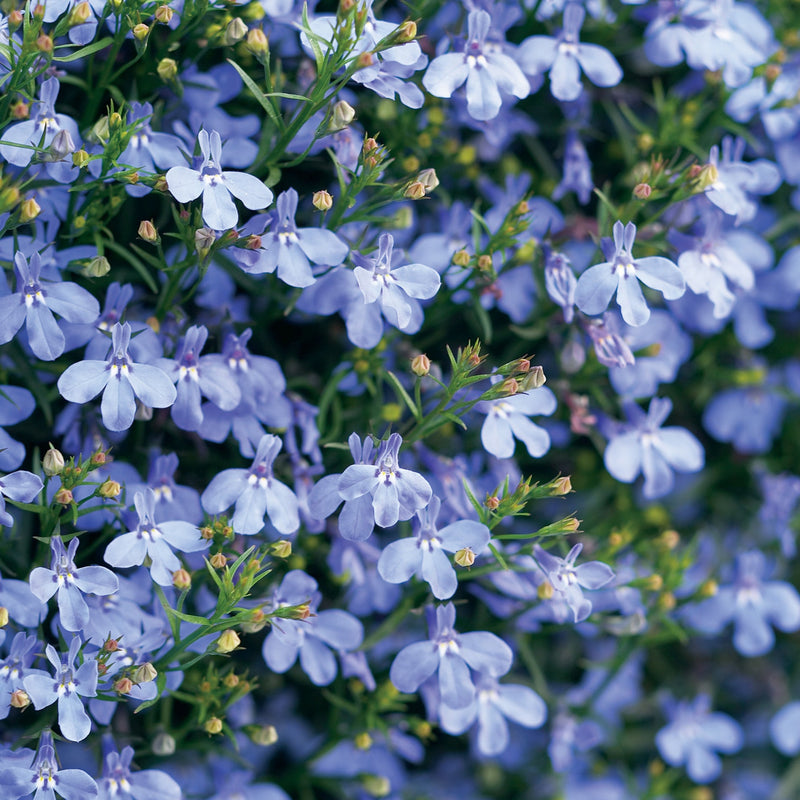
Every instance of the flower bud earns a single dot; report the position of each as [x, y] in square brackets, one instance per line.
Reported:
[414, 191]
[461, 258]
[428, 179]
[80, 14]
[147, 231]
[15, 19]
[421, 365]
[164, 15]
[561, 486]
[708, 588]
[666, 602]
[281, 549]
[234, 32]
[484, 262]
[61, 146]
[364, 60]
[204, 238]
[123, 686]
[20, 699]
[218, 561]
[20, 110]
[9, 197]
[533, 379]
[407, 32]
[363, 741]
[53, 462]
[228, 641]
[29, 210]
[213, 725]
[44, 44]
[492, 502]
[257, 43]
[465, 557]
[509, 388]
[343, 115]
[654, 583]
[167, 69]
[669, 539]
[3, 616]
[145, 673]
[110, 646]
[141, 31]
[377, 785]
[642, 191]
[545, 590]
[63, 496]
[263, 735]
[97, 267]
[231, 680]
[164, 743]
[322, 200]
[181, 579]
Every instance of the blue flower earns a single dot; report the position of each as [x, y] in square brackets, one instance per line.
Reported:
[71, 583]
[693, 736]
[577, 170]
[565, 57]
[424, 552]
[567, 579]
[34, 303]
[254, 491]
[216, 186]
[619, 274]
[20, 486]
[484, 66]
[16, 404]
[784, 729]
[120, 380]
[451, 655]
[15, 666]
[140, 784]
[66, 687]
[154, 540]
[644, 446]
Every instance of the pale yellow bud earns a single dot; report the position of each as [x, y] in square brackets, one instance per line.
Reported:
[322, 200]
[228, 641]
[53, 462]
[145, 673]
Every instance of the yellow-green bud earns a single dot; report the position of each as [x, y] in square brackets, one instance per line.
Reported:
[167, 69]
[234, 32]
[53, 462]
[228, 641]
[257, 42]
[377, 785]
[29, 209]
[322, 200]
[218, 561]
[654, 583]
[263, 735]
[465, 557]
[545, 590]
[709, 588]
[148, 232]
[145, 673]
[343, 114]
[181, 579]
[3, 616]
[97, 267]
[561, 486]
[407, 32]
[164, 744]
[281, 549]
[484, 262]
[533, 379]
[363, 741]
[141, 31]
[80, 14]
[421, 365]
[164, 15]
[213, 725]
[461, 258]
[109, 489]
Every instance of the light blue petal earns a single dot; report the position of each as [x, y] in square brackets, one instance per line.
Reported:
[152, 385]
[247, 188]
[185, 184]
[118, 405]
[44, 336]
[219, 210]
[445, 74]
[282, 508]
[595, 288]
[80, 382]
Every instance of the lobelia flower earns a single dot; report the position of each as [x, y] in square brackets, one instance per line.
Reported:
[494, 703]
[40, 773]
[577, 170]
[66, 687]
[567, 579]
[694, 734]
[254, 491]
[508, 417]
[173, 501]
[121, 381]
[20, 486]
[451, 655]
[780, 493]
[644, 446]
[15, 666]
[290, 249]
[565, 57]
[784, 729]
[154, 540]
[119, 782]
[216, 186]
[34, 303]
[483, 65]
[753, 604]
[619, 274]
[16, 404]
[424, 552]
[71, 583]
[310, 638]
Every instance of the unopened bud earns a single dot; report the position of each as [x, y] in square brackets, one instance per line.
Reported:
[281, 549]
[709, 588]
[9, 197]
[44, 44]
[461, 258]
[20, 699]
[377, 785]
[343, 114]
[109, 489]
[97, 267]
[231, 680]
[365, 60]
[263, 735]
[414, 191]
[522, 208]
[148, 232]
[53, 462]
[534, 379]
[29, 210]
[204, 238]
[642, 191]
[484, 262]
[145, 673]
[421, 365]
[654, 583]
[15, 19]
[181, 579]
[322, 200]
[407, 32]
[429, 179]
[492, 502]
[218, 561]
[141, 31]
[257, 42]
[164, 744]
[164, 15]
[61, 146]
[509, 388]
[561, 486]
[465, 557]
[666, 602]
[63, 497]
[228, 641]
[20, 109]
[80, 14]
[123, 686]
[110, 645]
[346, 6]
[545, 590]
[167, 69]
[253, 242]
[670, 539]
[213, 725]
[303, 611]
[234, 32]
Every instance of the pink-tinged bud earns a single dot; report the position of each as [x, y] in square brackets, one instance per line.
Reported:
[164, 15]
[148, 232]
[20, 699]
[213, 725]
[414, 191]
[123, 686]
[407, 32]
[20, 109]
[63, 497]
[545, 590]
[365, 60]
[15, 19]
[642, 191]
[231, 680]
[461, 258]
[253, 242]
[44, 44]
[492, 502]
[181, 579]
[110, 645]
[421, 365]
[484, 262]
[228, 641]
[509, 388]
[218, 561]
[322, 200]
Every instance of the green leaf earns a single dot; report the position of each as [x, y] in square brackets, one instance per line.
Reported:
[262, 98]
[404, 395]
[85, 51]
